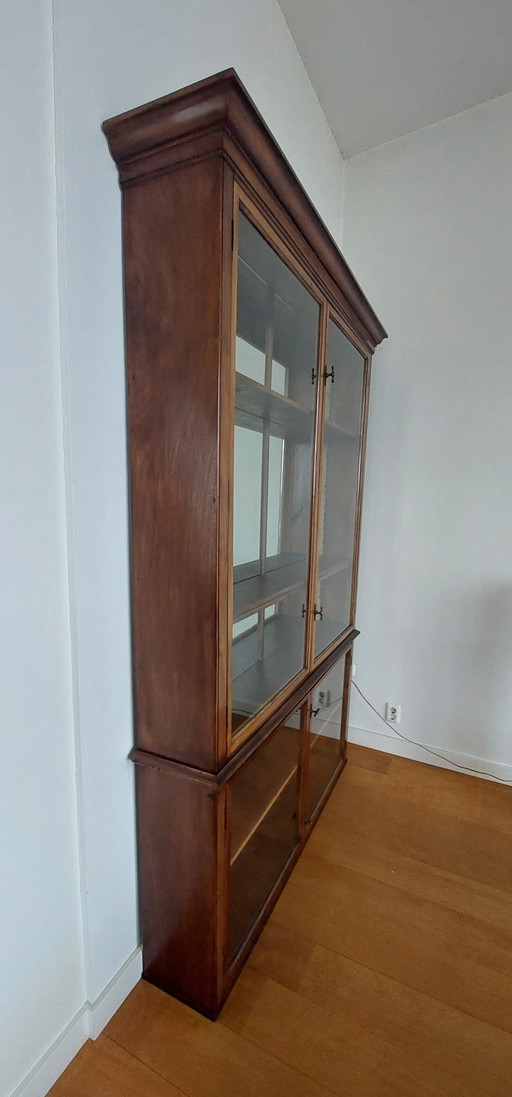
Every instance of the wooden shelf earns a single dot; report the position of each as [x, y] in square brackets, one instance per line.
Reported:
[255, 871]
[260, 783]
[255, 404]
[283, 573]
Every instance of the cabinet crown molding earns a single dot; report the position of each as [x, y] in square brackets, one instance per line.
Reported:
[218, 116]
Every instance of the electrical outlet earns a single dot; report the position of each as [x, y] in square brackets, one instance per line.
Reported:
[393, 713]
[322, 698]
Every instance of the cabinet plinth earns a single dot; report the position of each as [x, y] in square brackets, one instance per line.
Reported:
[248, 351]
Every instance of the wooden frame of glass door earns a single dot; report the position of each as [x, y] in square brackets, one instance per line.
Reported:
[332, 315]
[242, 202]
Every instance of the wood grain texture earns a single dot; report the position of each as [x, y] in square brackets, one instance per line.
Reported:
[198, 1056]
[379, 974]
[173, 308]
[183, 879]
[216, 114]
[104, 1069]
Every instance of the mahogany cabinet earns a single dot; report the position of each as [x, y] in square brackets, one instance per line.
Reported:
[248, 350]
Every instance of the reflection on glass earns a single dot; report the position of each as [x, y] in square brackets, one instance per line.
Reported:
[279, 376]
[247, 480]
[339, 487]
[245, 625]
[276, 351]
[250, 360]
[325, 747]
[264, 797]
[275, 492]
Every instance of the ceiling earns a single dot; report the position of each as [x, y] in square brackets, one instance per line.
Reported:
[382, 68]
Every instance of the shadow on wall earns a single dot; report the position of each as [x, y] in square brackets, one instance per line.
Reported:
[456, 678]
[462, 696]
[491, 670]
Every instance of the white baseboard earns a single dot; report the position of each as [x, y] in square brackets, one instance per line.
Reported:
[88, 1023]
[392, 744]
[50, 1066]
[114, 993]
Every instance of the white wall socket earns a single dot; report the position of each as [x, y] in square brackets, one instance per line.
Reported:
[322, 698]
[393, 713]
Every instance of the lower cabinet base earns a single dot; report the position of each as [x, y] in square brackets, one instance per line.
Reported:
[184, 868]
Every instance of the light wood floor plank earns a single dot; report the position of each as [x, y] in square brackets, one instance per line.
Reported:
[385, 970]
[422, 945]
[482, 802]
[471, 850]
[201, 1058]
[347, 1057]
[102, 1069]
[343, 846]
[467, 1050]
[360, 757]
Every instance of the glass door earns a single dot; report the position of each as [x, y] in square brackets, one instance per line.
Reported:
[264, 796]
[325, 747]
[339, 487]
[277, 331]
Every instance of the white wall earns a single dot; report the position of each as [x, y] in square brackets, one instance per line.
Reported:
[41, 962]
[428, 231]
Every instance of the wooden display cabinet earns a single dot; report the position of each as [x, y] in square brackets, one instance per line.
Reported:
[248, 350]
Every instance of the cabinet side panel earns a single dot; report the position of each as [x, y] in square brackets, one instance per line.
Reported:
[179, 841]
[173, 253]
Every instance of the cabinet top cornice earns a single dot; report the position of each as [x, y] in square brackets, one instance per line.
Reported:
[217, 116]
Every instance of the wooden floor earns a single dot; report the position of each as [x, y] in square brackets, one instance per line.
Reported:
[385, 970]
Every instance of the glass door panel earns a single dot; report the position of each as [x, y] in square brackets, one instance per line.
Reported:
[339, 486]
[325, 745]
[264, 829]
[276, 355]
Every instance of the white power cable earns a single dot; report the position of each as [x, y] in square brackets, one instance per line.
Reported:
[413, 743]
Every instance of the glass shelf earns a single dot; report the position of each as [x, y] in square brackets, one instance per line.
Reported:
[257, 405]
[257, 678]
[283, 573]
[257, 675]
